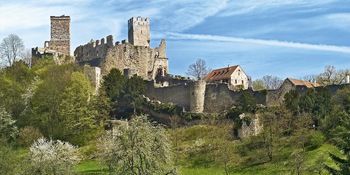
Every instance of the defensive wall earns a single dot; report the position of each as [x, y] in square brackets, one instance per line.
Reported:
[199, 96]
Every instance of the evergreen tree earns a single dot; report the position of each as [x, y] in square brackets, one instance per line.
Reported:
[76, 116]
[113, 84]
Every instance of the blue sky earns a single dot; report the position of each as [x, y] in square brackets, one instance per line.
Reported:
[286, 38]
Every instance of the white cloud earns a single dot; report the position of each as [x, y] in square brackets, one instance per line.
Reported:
[338, 20]
[239, 7]
[275, 43]
[181, 15]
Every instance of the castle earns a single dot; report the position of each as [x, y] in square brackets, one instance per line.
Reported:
[212, 95]
[133, 57]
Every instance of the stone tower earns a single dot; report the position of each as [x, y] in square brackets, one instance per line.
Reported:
[139, 31]
[60, 34]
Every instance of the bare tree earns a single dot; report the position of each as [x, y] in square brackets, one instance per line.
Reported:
[11, 49]
[310, 78]
[198, 69]
[272, 82]
[27, 57]
[332, 76]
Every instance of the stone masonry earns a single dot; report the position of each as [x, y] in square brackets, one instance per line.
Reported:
[131, 58]
[139, 31]
[60, 34]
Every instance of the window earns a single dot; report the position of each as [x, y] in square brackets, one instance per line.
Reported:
[235, 81]
[242, 82]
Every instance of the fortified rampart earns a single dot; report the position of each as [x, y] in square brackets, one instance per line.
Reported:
[200, 97]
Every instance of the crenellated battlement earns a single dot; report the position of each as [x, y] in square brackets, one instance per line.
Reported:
[139, 31]
[133, 56]
[139, 20]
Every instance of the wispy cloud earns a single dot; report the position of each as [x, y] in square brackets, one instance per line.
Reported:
[238, 7]
[288, 44]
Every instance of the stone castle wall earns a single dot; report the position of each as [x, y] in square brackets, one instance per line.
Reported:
[217, 97]
[146, 62]
[200, 97]
[178, 94]
[131, 58]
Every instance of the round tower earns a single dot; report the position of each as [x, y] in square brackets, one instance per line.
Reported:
[197, 92]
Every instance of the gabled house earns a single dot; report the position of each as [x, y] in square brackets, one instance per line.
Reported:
[234, 76]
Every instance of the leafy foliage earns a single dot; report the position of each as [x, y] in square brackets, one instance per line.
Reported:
[137, 147]
[340, 133]
[8, 129]
[28, 135]
[125, 94]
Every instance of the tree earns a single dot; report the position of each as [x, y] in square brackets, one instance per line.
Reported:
[339, 125]
[332, 76]
[11, 49]
[137, 147]
[198, 69]
[76, 115]
[114, 83]
[125, 94]
[28, 135]
[13, 83]
[134, 88]
[8, 129]
[272, 82]
[52, 157]
[258, 85]
[43, 111]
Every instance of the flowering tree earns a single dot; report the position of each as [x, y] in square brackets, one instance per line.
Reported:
[8, 129]
[52, 157]
[137, 148]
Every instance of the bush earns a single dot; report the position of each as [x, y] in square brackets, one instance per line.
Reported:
[136, 146]
[52, 157]
[28, 135]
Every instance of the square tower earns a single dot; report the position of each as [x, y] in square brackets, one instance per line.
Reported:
[139, 31]
[60, 34]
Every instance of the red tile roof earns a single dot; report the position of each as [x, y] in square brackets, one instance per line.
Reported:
[308, 84]
[220, 74]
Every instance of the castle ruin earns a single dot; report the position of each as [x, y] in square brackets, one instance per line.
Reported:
[59, 44]
[60, 35]
[133, 57]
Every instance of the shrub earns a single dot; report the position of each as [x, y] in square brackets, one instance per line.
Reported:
[137, 146]
[28, 135]
[52, 157]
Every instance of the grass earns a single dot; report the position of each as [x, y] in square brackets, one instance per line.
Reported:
[90, 167]
[195, 156]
